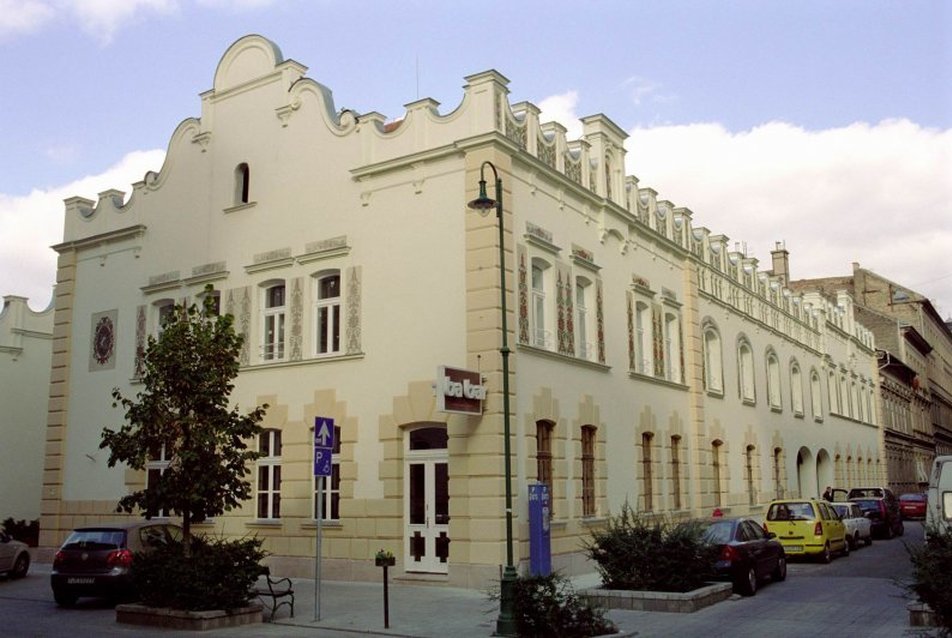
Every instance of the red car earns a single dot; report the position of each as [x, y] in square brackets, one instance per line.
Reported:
[912, 505]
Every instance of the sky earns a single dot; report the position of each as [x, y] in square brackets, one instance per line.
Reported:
[825, 125]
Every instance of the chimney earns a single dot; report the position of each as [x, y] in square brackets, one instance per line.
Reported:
[781, 262]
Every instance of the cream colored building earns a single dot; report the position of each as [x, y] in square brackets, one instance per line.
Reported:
[650, 362]
[26, 341]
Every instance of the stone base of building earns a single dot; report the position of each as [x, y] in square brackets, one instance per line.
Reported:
[136, 614]
[687, 602]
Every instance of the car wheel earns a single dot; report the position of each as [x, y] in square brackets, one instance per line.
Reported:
[853, 541]
[21, 567]
[780, 571]
[64, 598]
[747, 585]
[826, 556]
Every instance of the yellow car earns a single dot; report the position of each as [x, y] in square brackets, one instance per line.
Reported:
[807, 527]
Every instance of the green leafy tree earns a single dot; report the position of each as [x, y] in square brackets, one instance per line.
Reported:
[184, 408]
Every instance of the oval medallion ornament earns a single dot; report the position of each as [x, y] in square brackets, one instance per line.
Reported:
[103, 340]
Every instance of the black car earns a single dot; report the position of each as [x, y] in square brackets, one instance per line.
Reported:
[97, 560]
[748, 554]
[883, 514]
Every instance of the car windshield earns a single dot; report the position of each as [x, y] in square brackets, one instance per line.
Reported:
[95, 539]
[876, 492]
[842, 510]
[790, 512]
[719, 532]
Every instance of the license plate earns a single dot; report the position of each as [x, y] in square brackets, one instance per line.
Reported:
[80, 581]
[794, 548]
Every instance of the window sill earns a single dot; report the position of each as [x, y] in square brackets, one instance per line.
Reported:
[715, 394]
[284, 363]
[266, 522]
[750, 402]
[566, 358]
[239, 207]
[657, 380]
[312, 524]
[776, 409]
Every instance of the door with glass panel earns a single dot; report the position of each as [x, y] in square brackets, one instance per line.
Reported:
[427, 501]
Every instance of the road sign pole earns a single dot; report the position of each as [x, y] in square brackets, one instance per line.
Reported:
[323, 466]
[317, 553]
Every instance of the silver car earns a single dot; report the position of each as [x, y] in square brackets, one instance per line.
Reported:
[858, 526]
[14, 557]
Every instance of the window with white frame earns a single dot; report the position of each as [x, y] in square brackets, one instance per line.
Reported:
[273, 320]
[155, 467]
[745, 371]
[713, 362]
[584, 326]
[773, 381]
[540, 318]
[165, 309]
[833, 388]
[331, 489]
[544, 458]
[644, 361]
[269, 475]
[796, 389]
[672, 346]
[327, 312]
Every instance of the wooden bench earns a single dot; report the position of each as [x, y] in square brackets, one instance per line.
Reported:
[279, 590]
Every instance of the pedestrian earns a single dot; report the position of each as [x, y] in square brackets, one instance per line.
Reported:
[828, 494]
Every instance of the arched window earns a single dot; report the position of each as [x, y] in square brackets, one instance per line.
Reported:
[541, 287]
[833, 388]
[745, 363]
[327, 312]
[242, 184]
[672, 347]
[713, 361]
[585, 326]
[644, 360]
[815, 399]
[796, 389]
[773, 381]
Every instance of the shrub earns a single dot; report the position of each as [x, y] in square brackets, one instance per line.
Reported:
[640, 553]
[932, 574]
[28, 533]
[217, 574]
[548, 607]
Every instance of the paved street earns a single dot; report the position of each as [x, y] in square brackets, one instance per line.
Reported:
[855, 596]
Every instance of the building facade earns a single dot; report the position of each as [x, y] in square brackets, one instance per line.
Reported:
[915, 352]
[26, 341]
[650, 363]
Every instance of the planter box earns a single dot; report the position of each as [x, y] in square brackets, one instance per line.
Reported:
[921, 615]
[386, 562]
[135, 614]
[686, 602]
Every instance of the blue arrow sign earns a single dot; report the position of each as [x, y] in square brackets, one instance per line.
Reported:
[323, 445]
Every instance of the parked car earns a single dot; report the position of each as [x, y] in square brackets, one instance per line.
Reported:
[808, 528]
[97, 560]
[14, 557]
[748, 555]
[858, 527]
[912, 505]
[883, 513]
[939, 500]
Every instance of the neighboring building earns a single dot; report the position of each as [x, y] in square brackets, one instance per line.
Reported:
[650, 363]
[915, 362]
[26, 342]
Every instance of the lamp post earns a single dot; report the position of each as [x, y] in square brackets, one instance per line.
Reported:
[506, 623]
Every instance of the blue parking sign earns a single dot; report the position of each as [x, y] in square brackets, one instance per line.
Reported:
[323, 445]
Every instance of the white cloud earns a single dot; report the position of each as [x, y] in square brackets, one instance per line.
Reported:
[102, 18]
[876, 194]
[561, 108]
[30, 224]
[23, 16]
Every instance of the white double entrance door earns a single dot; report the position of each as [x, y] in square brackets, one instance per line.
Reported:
[427, 511]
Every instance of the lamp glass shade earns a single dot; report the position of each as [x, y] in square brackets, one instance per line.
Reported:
[483, 201]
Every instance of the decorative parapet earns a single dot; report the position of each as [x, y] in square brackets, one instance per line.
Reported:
[164, 281]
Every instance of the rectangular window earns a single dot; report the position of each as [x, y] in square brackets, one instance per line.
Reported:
[274, 314]
[269, 475]
[544, 459]
[588, 471]
[331, 505]
[155, 467]
[647, 481]
[676, 470]
[716, 471]
[328, 314]
[540, 335]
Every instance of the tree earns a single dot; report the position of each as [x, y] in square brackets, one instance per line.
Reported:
[184, 408]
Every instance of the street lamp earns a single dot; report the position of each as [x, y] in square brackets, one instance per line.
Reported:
[506, 623]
